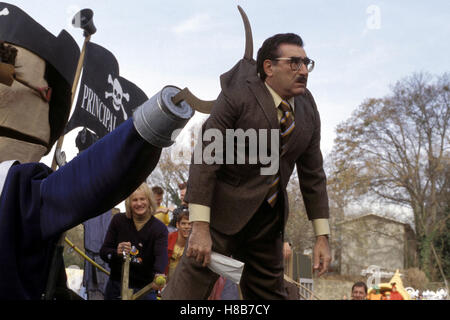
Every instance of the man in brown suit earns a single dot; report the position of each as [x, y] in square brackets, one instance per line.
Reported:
[232, 206]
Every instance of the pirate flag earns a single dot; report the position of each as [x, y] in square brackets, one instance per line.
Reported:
[105, 99]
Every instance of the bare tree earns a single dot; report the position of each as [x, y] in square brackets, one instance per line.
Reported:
[168, 174]
[397, 149]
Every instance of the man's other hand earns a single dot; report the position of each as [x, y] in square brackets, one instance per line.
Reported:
[322, 255]
[200, 243]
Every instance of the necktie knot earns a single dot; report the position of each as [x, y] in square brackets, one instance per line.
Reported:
[285, 106]
[286, 122]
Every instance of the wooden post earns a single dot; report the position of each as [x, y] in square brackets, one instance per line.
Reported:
[126, 292]
[143, 291]
[74, 88]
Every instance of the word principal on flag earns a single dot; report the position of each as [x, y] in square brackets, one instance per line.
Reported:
[105, 99]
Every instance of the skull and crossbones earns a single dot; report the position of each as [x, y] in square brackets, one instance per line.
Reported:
[4, 12]
[117, 95]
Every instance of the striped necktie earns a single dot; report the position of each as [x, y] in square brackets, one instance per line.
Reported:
[287, 126]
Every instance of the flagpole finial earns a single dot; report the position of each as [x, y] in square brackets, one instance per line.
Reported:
[84, 19]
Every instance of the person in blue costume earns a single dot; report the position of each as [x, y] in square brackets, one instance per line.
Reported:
[36, 204]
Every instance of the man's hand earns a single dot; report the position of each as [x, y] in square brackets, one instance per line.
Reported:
[322, 255]
[287, 251]
[200, 243]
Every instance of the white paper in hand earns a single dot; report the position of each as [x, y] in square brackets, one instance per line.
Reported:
[226, 267]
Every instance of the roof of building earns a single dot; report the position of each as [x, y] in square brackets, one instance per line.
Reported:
[372, 215]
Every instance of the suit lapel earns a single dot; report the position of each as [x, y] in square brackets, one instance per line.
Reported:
[265, 101]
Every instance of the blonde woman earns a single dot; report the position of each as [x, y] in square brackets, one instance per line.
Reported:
[139, 233]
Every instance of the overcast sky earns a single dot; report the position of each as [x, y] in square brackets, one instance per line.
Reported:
[360, 47]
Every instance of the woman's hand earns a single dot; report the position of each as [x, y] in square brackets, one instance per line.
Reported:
[123, 246]
[159, 281]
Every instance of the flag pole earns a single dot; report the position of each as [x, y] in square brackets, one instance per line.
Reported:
[84, 20]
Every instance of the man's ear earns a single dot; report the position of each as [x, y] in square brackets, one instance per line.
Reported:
[267, 65]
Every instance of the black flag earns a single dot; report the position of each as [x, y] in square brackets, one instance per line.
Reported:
[105, 99]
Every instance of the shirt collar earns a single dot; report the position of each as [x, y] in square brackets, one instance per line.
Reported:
[277, 99]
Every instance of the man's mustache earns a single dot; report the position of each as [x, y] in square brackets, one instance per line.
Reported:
[301, 79]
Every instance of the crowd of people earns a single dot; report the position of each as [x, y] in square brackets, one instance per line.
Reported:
[155, 237]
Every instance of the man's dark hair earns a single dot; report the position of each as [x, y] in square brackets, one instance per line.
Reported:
[157, 190]
[360, 284]
[269, 49]
[182, 186]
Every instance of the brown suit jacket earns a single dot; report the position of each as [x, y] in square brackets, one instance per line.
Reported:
[234, 192]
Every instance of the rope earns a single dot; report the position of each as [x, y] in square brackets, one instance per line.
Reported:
[289, 279]
[85, 256]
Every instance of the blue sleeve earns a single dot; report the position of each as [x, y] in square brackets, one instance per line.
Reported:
[96, 180]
